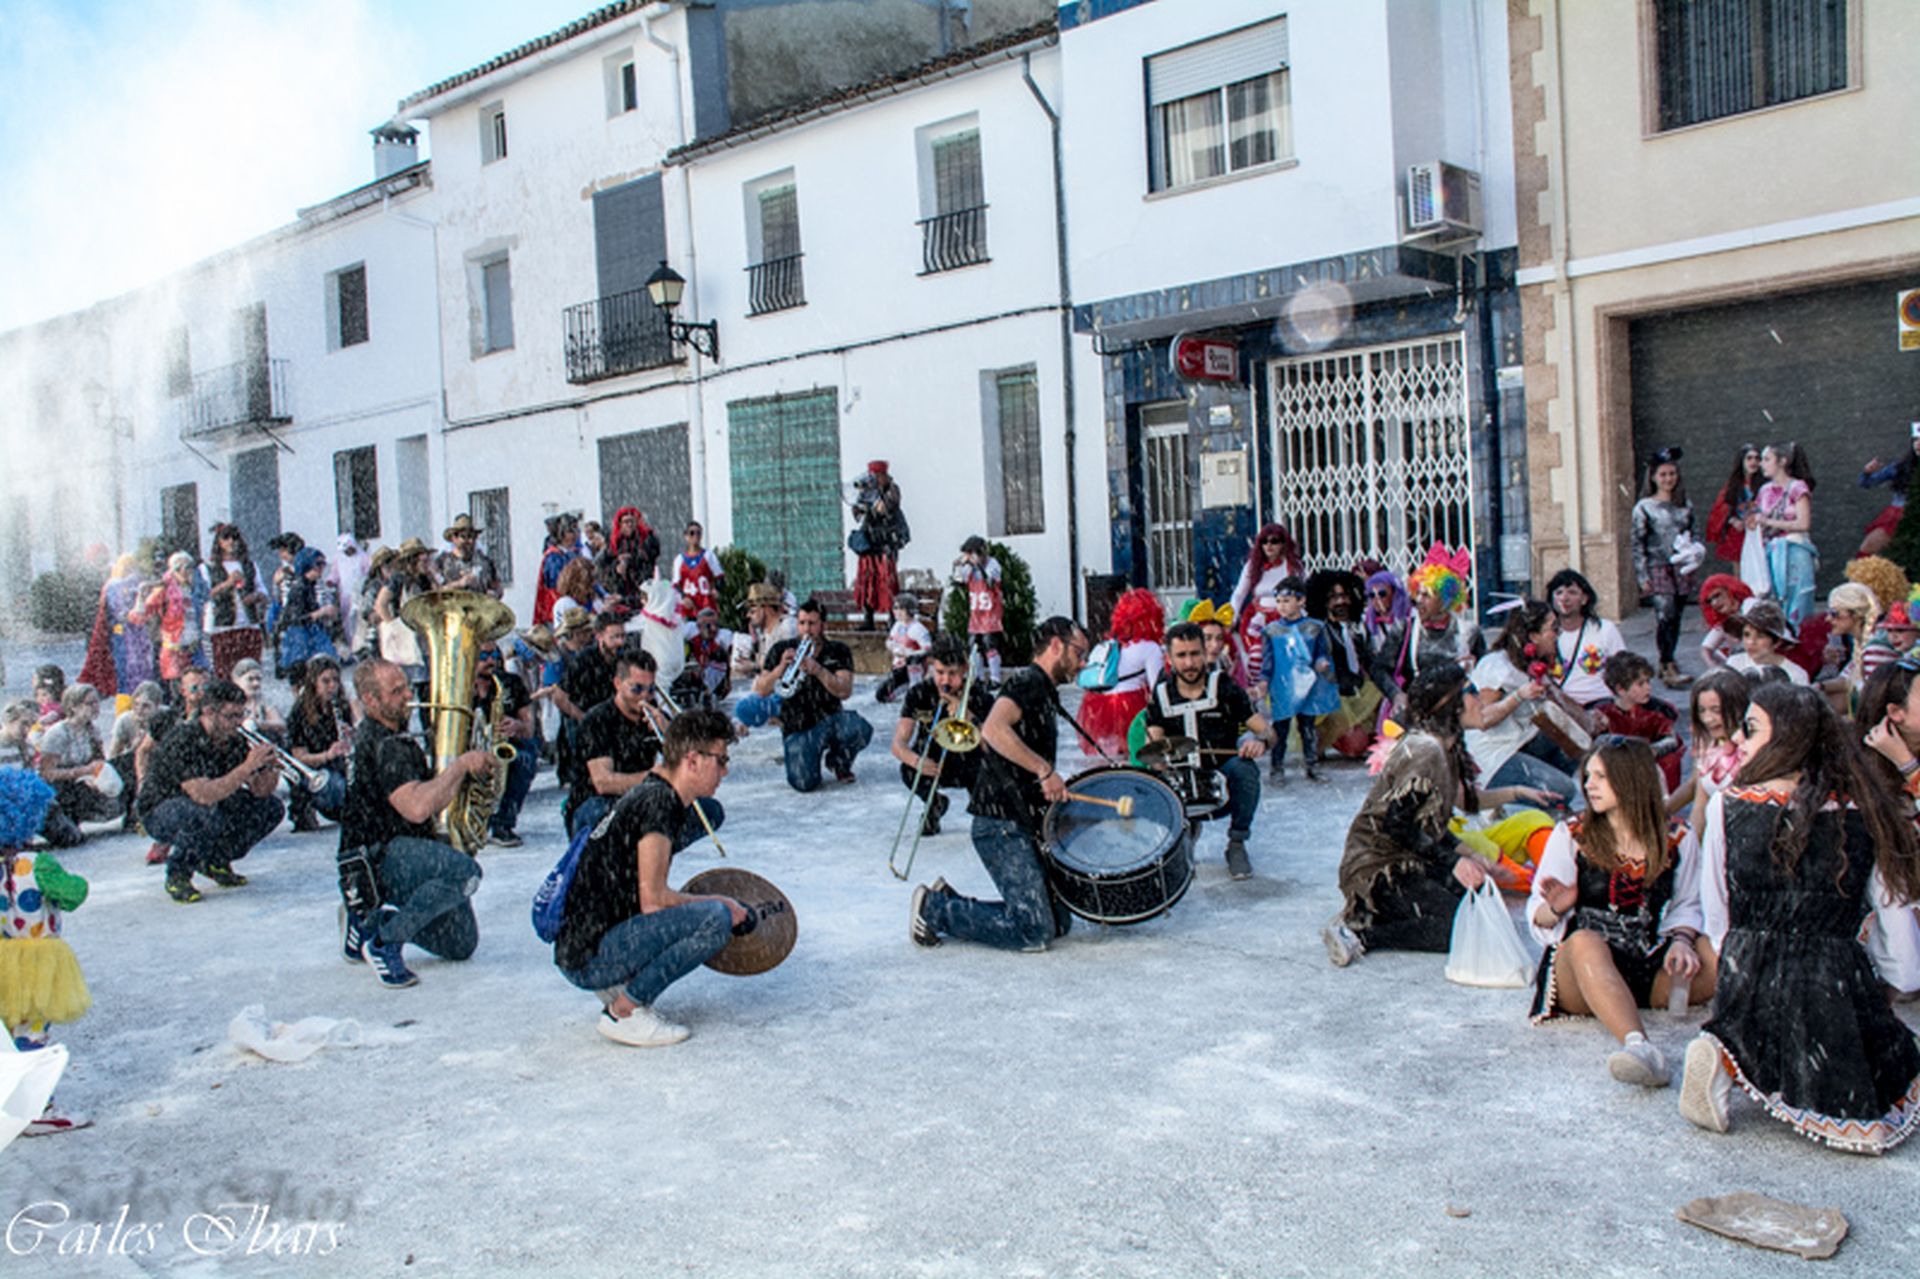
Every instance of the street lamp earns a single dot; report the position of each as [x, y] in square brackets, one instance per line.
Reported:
[666, 287]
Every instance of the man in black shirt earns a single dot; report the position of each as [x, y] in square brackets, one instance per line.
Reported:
[813, 727]
[586, 680]
[1016, 783]
[938, 697]
[619, 742]
[192, 683]
[490, 679]
[400, 883]
[1197, 700]
[209, 793]
[623, 932]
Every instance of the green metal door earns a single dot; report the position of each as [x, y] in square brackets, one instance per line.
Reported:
[786, 486]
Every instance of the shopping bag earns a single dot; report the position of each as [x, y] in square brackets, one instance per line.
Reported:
[289, 1041]
[26, 1084]
[398, 643]
[1753, 564]
[106, 779]
[1486, 950]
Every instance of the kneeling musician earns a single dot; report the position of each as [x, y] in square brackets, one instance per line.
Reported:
[1198, 701]
[930, 700]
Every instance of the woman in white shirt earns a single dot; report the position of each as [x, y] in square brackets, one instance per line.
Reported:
[1511, 684]
[1586, 640]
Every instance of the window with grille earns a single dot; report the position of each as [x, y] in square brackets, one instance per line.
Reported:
[774, 279]
[492, 513]
[779, 222]
[1016, 501]
[953, 198]
[1719, 58]
[347, 306]
[493, 133]
[1219, 107]
[356, 492]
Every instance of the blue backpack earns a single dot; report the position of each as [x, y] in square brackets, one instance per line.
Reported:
[1102, 670]
[550, 903]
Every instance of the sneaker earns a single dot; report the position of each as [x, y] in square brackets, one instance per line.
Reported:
[940, 885]
[386, 960]
[505, 839]
[1278, 775]
[53, 1120]
[844, 776]
[180, 886]
[1670, 676]
[306, 821]
[642, 1028]
[1638, 1062]
[1313, 773]
[224, 875]
[157, 855]
[353, 937]
[1705, 1087]
[1238, 867]
[1342, 943]
[918, 928]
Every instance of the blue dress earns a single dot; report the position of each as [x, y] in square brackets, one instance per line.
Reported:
[1295, 686]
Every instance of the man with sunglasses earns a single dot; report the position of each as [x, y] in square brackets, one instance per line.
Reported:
[619, 741]
[492, 679]
[624, 933]
[466, 567]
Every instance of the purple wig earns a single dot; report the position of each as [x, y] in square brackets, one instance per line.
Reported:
[1398, 611]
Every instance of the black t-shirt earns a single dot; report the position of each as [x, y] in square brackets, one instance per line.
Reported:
[921, 704]
[186, 754]
[1006, 790]
[1218, 726]
[812, 703]
[382, 762]
[588, 679]
[316, 731]
[606, 882]
[607, 734]
[513, 699]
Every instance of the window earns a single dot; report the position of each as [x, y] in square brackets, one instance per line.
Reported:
[347, 307]
[1219, 107]
[493, 133]
[179, 518]
[496, 304]
[1011, 409]
[774, 282]
[490, 510]
[1723, 57]
[179, 363]
[356, 493]
[622, 82]
[953, 200]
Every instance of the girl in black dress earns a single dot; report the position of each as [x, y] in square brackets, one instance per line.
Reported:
[1616, 904]
[1799, 852]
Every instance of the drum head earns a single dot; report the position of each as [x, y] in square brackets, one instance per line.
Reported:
[774, 925]
[1095, 840]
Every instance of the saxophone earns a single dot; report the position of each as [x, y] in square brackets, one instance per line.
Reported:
[453, 626]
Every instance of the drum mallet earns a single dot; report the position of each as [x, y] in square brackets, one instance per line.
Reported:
[701, 813]
[1122, 806]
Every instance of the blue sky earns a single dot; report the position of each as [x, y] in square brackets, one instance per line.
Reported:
[137, 136]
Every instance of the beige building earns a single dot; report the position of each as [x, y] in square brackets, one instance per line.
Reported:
[1719, 206]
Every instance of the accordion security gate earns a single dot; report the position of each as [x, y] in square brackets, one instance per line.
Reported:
[1372, 453]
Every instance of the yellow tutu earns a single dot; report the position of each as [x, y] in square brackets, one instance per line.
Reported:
[40, 982]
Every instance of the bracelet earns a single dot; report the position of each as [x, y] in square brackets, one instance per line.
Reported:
[1909, 768]
[1049, 773]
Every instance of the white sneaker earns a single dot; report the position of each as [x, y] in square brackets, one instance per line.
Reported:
[643, 1028]
[1342, 943]
[1705, 1087]
[1638, 1062]
[55, 1120]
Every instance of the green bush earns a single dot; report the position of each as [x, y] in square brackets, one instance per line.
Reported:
[739, 569]
[1016, 587]
[64, 603]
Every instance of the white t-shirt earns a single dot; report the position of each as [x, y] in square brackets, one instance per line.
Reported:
[1583, 653]
[1747, 666]
[1140, 665]
[70, 745]
[1493, 747]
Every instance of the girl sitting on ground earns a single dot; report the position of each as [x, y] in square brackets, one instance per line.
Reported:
[1719, 704]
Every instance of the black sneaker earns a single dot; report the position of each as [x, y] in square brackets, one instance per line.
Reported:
[505, 839]
[224, 875]
[1313, 773]
[353, 937]
[918, 928]
[844, 776]
[1238, 867]
[180, 886]
[386, 960]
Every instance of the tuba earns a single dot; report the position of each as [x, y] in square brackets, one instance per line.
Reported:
[452, 626]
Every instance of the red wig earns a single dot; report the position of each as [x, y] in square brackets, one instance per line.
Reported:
[1289, 555]
[1138, 615]
[1721, 582]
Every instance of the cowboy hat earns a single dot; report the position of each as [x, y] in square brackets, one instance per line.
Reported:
[408, 549]
[1764, 616]
[576, 620]
[462, 523]
[539, 639]
[763, 594]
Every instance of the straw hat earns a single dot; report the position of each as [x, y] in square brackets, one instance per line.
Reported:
[408, 549]
[763, 594]
[576, 620]
[462, 523]
[539, 639]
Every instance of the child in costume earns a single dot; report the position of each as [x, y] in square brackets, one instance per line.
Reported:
[1719, 706]
[908, 643]
[978, 574]
[1636, 712]
[1299, 677]
[40, 981]
[1139, 624]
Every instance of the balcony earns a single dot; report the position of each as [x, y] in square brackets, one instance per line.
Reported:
[775, 285]
[615, 335]
[250, 393]
[956, 239]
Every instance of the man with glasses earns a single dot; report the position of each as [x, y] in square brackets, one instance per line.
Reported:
[1017, 782]
[400, 882]
[208, 793]
[624, 933]
[619, 741]
[466, 567]
[492, 679]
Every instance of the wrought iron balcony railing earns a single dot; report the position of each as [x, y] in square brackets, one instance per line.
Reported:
[621, 333]
[775, 285]
[956, 239]
[244, 394]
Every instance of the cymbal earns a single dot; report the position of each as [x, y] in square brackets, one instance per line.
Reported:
[1167, 748]
[774, 927]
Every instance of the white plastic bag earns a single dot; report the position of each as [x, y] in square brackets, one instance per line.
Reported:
[1487, 950]
[280, 1041]
[106, 779]
[1753, 565]
[26, 1083]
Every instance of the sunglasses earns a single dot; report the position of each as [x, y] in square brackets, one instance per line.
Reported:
[1381, 595]
[1273, 541]
[639, 690]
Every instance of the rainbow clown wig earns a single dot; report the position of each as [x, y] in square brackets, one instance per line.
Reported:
[23, 806]
[1444, 575]
[1138, 615]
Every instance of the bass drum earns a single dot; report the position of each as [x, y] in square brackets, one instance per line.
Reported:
[1112, 869]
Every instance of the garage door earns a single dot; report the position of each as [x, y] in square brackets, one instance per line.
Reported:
[1818, 367]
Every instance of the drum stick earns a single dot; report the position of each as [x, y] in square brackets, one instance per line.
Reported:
[701, 813]
[1122, 806]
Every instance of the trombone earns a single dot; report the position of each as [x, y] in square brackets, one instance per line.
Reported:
[953, 734]
[304, 775]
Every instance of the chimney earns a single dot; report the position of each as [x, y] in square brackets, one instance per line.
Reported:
[395, 147]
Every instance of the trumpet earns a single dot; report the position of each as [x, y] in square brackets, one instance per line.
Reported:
[306, 775]
[790, 682]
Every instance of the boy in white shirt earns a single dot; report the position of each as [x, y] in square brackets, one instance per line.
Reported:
[908, 642]
[1763, 630]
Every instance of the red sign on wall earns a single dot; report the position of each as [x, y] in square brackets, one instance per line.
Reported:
[1200, 360]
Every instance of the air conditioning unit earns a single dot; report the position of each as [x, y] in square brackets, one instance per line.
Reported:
[1443, 201]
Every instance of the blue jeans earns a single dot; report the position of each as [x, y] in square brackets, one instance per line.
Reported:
[835, 740]
[425, 892]
[754, 710]
[218, 834]
[327, 800]
[520, 775]
[1522, 769]
[1025, 918]
[645, 954]
[593, 811]
[1243, 795]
